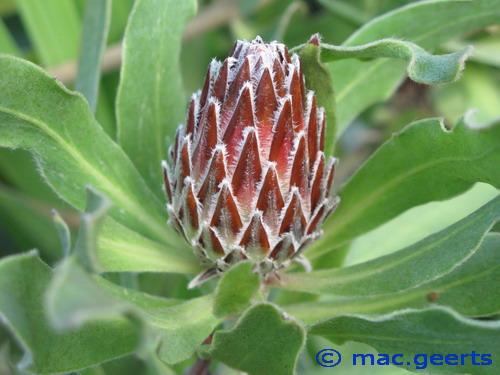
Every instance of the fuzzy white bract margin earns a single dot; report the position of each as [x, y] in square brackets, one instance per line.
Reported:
[248, 176]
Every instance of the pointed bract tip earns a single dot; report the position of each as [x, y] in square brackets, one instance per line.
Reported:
[315, 40]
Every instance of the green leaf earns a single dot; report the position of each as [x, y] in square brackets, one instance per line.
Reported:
[183, 328]
[137, 298]
[23, 282]
[53, 27]
[91, 221]
[264, 341]
[470, 289]
[94, 34]
[417, 334]
[423, 163]
[74, 299]
[422, 66]
[235, 290]
[123, 250]
[424, 261]
[63, 233]
[119, 249]
[427, 23]
[417, 223]
[151, 101]
[174, 329]
[319, 79]
[71, 148]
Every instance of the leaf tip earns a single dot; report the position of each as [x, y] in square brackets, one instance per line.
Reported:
[315, 40]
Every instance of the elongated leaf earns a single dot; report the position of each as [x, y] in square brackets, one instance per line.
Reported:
[123, 250]
[423, 163]
[419, 333]
[422, 66]
[63, 233]
[427, 23]
[422, 262]
[151, 101]
[418, 223]
[236, 289]
[470, 289]
[73, 298]
[53, 27]
[120, 247]
[94, 35]
[264, 341]
[91, 221]
[23, 282]
[173, 329]
[55, 124]
[183, 328]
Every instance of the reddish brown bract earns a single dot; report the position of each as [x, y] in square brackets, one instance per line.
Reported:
[249, 179]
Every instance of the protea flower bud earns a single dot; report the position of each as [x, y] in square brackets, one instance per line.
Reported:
[249, 178]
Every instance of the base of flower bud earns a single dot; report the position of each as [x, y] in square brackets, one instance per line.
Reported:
[267, 269]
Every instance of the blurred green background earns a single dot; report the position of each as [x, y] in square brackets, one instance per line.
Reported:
[48, 32]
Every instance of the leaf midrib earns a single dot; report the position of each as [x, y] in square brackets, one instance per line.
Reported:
[123, 198]
[392, 265]
[185, 263]
[369, 199]
[410, 295]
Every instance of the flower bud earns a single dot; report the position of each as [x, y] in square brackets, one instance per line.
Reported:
[249, 179]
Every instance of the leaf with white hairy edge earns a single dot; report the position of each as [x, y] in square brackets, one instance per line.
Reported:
[71, 149]
[123, 250]
[359, 84]
[424, 261]
[422, 163]
[106, 246]
[94, 35]
[264, 341]
[422, 68]
[173, 328]
[151, 100]
[235, 289]
[24, 280]
[470, 289]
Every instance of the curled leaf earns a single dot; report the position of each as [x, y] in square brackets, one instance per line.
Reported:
[423, 67]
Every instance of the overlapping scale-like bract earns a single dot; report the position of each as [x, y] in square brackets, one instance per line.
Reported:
[248, 178]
